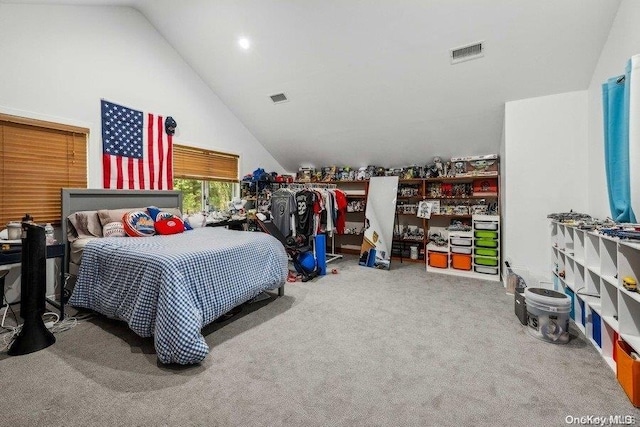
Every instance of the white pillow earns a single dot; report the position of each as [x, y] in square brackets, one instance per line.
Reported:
[197, 220]
[114, 229]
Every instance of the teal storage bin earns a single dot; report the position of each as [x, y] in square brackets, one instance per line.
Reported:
[486, 243]
[484, 234]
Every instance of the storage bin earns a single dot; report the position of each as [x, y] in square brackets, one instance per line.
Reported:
[628, 372]
[485, 186]
[492, 262]
[582, 311]
[461, 262]
[486, 252]
[438, 259]
[481, 225]
[483, 234]
[596, 328]
[572, 313]
[486, 270]
[461, 250]
[486, 243]
[461, 241]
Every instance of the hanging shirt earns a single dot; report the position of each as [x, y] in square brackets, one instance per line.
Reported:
[341, 205]
[304, 212]
[283, 206]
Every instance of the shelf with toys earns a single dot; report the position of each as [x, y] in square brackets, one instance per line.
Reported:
[599, 269]
[409, 229]
[455, 191]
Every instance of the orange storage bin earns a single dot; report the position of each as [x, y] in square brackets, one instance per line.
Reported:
[461, 262]
[628, 372]
[438, 259]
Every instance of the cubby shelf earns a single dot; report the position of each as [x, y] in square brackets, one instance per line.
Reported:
[595, 264]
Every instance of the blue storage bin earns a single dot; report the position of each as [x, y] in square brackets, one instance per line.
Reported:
[572, 313]
[582, 312]
[595, 318]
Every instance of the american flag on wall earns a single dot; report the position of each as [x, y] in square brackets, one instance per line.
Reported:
[136, 150]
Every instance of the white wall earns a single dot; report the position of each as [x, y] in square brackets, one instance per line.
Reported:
[623, 42]
[545, 171]
[59, 61]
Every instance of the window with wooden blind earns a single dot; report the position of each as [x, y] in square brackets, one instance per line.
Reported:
[37, 160]
[206, 178]
[197, 163]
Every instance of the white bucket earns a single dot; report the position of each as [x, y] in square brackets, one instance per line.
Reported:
[414, 252]
[548, 314]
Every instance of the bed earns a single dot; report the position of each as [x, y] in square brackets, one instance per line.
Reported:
[169, 286]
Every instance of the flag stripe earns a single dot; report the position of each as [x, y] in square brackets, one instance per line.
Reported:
[160, 146]
[170, 162]
[106, 167]
[130, 172]
[150, 154]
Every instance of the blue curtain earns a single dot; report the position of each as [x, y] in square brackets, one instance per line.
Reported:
[615, 103]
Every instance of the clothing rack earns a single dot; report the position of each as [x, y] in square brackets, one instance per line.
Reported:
[330, 256]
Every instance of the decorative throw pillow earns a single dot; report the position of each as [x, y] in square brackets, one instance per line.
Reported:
[187, 226]
[197, 220]
[172, 225]
[114, 215]
[138, 224]
[114, 229]
[154, 211]
[165, 215]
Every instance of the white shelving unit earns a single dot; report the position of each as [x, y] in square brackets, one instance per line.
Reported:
[491, 266]
[589, 267]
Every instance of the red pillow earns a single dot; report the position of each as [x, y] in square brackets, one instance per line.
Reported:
[173, 225]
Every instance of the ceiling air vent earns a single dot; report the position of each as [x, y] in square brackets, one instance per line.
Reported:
[466, 53]
[279, 98]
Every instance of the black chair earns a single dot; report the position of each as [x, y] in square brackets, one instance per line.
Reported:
[296, 247]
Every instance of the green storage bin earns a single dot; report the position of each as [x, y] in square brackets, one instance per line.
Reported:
[483, 234]
[486, 243]
[492, 262]
[486, 252]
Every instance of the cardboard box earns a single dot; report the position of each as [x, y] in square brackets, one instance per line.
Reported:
[485, 187]
[487, 165]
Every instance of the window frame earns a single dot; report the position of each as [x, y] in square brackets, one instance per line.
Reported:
[206, 165]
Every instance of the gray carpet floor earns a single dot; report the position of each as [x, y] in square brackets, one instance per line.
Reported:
[362, 347]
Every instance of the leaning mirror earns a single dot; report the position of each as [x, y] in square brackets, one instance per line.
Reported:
[379, 219]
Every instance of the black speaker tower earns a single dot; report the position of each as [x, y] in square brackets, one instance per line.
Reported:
[34, 335]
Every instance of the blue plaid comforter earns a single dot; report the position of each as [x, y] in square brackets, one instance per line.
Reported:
[170, 287]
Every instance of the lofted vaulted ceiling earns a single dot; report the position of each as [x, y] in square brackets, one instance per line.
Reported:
[370, 82]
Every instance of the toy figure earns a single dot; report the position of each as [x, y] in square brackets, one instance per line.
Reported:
[362, 174]
[437, 162]
[459, 168]
[482, 165]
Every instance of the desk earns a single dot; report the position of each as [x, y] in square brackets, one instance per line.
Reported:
[233, 224]
[13, 258]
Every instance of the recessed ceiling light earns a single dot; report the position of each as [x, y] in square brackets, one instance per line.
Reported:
[244, 43]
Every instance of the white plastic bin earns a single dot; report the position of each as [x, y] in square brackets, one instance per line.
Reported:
[548, 314]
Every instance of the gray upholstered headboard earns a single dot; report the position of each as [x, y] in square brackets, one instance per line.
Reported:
[86, 199]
